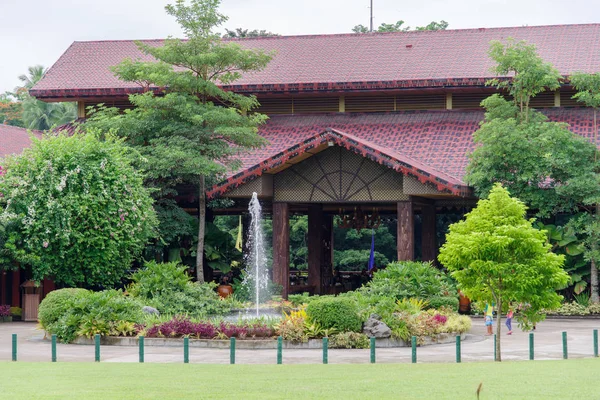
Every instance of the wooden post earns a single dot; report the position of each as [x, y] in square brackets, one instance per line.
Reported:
[406, 229]
[281, 246]
[16, 288]
[315, 251]
[428, 237]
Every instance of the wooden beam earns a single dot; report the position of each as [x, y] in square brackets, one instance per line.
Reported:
[315, 241]
[428, 236]
[406, 231]
[16, 288]
[281, 246]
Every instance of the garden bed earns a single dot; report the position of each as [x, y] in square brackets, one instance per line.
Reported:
[252, 344]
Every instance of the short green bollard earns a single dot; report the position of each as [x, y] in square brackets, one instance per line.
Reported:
[531, 346]
[232, 350]
[595, 342]
[186, 350]
[373, 342]
[565, 351]
[279, 350]
[97, 345]
[458, 348]
[14, 347]
[495, 355]
[325, 350]
[53, 348]
[413, 342]
[141, 343]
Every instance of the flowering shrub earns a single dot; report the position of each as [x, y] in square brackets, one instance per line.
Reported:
[184, 327]
[292, 326]
[5, 310]
[74, 208]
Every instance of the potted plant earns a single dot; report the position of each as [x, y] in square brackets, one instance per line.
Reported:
[5, 313]
[15, 313]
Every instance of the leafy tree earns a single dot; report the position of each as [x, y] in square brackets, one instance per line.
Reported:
[496, 255]
[35, 74]
[239, 33]
[398, 27]
[74, 209]
[11, 111]
[194, 129]
[541, 162]
[588, 224]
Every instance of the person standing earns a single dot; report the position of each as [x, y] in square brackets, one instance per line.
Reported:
[489, 318]
[509, 316]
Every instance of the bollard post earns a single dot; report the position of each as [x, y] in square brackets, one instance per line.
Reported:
[413, 342]
[232, 350]
[595, 342]
[186, 350]
[53, 348]
[97, 346]
[565, 351]
[531, 346]
[14, 347]
[279, 350]
[325, 350]
[495, 355]
[457, 348]
[141, 343]
[373, 342]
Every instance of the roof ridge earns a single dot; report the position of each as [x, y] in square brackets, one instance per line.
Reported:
[375, 33]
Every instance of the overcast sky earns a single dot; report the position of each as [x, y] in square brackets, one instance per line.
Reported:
[39, 31]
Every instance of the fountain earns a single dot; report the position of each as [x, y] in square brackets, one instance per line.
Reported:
[256, 261]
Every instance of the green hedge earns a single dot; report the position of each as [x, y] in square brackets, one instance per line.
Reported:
[340, 313]
[56, 304]
[443, 301]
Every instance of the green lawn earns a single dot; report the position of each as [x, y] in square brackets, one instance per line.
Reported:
[508, 380]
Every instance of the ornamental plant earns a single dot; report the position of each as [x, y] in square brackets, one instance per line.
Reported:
[74, 209]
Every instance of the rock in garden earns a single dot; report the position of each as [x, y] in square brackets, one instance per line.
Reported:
[375, 328]
[150, 310]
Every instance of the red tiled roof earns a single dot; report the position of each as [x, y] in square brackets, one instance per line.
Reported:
[343, 61]
[14, 139]
[430, 145]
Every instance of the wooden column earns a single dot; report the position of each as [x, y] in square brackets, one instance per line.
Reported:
[315, 238]
[406, 231]
[16, 288]
[281, 246]
[428, 237]
[3, 288]
[47, 287]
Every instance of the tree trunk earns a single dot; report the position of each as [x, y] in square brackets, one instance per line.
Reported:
[498, 328]
[201, 228]
[594, 297]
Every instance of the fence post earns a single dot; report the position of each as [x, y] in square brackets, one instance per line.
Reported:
[531, 346]
[564, 341]
[325, 350]
[413, 342]
[595, 342]
[97, 346]
[53, 348]
[495, 355]
[373, 342]
[232, 350]
[279, 350]
[14, 347]
[141, 343]
[457, 348]
[186, 350]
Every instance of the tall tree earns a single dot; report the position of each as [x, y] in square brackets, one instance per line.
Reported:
[541, 162]
[240, 33]
[35, 74]
[398, 26]
[496, 254]
[74, 209]
[193, 130]
[11, 111]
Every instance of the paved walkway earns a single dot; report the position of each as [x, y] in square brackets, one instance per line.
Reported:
[476, 347]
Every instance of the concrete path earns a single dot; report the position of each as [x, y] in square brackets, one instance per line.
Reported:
[476, 347]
